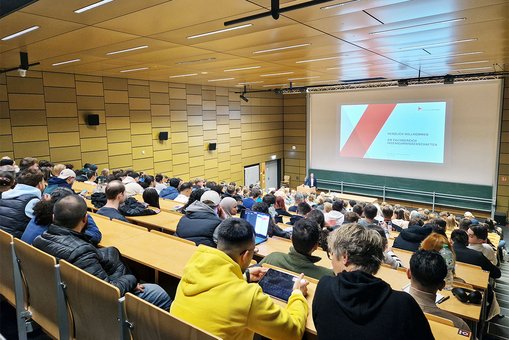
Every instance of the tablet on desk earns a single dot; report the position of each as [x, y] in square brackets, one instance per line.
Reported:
[278, 284]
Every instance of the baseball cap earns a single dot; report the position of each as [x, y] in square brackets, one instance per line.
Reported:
[66, 173]
[211, 196]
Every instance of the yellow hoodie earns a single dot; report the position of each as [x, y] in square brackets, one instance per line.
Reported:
[214, 296]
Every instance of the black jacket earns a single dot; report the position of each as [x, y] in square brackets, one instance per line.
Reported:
[13, 219]
[357, 305]
[198, 224]
[464, 254]
[75, 248]
[410, 239]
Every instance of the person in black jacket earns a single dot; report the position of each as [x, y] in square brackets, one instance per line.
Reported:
[410, 239]
[356, 305]
[65, 239]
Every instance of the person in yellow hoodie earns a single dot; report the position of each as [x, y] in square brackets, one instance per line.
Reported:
[216, 292]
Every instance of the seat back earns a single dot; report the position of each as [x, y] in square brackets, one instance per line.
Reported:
[6, 268]
[148, 322]
[94, 304]
[38, 270]
[439, 319]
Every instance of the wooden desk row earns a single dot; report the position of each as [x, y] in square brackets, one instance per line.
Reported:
[170, 256]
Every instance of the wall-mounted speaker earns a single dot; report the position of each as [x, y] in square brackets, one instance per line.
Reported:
[163, 135]
[212, 146]
[93, 119]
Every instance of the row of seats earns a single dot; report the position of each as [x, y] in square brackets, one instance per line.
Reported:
[69, 303]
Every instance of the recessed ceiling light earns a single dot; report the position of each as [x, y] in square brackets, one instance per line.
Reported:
[220, 79]
[195, 61]
[319, 59]
[242, 68]
[446, 56]
[134, 69]
[471, 62]
[418, 25]
[273, 85]
[94, 5]
[17, 34]
[275, 74]
[184, 75]
[251, 82]
[128, 50]
[473, 69]
[219, 31]
[281, 48]
[339, 5]
[66, 62]
[301, 78]
[445, 43]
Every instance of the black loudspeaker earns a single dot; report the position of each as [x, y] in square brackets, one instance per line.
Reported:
[500, 218]
[212, 146]
[93, 119]
[163, 135]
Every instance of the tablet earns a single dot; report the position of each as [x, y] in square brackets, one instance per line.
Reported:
[277, 284]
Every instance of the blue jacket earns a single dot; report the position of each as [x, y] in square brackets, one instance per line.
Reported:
[55, 182]
[17, 208]
[248, 202]
[33, 230]
[169, 193]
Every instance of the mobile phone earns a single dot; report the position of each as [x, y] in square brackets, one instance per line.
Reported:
[278, 284]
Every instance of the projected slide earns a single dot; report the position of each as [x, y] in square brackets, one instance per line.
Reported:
[399, 131]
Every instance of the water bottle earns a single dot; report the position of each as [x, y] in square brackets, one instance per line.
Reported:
[449, 261]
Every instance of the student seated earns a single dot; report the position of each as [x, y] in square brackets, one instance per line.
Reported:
[305, 237]
[302, 210]
[298, 198]
[477, 240]
[185, 190]
[65, 239]
[65, 179]
[115, 195]
[427, 273]
[171, 192]
[254, 195]
[410, 238]
[354, 304]
[132, 187]
[216, 293]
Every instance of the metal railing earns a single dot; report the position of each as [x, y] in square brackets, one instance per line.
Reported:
[385, 192]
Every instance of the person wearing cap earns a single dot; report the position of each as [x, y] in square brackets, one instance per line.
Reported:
[201, 220]
[65, 179]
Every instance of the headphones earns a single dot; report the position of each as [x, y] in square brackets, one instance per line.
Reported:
[467, 295]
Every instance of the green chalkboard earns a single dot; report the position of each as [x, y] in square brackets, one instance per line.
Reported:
[446, 193]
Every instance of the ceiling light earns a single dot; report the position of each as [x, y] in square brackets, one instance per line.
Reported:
[220, 79]
[275, 74]
[339, 5]
[273, 85]
[301, 78]
[445, 43]
[319, 59]
[17, 34]
[242, 68]
[273, 157]
[446, 56]
[195, 61]
[128, 50]
[184, 75]
[251, 82]
[471, 62]
[134, 69]
[418, 25]
[473, 69]
[66, 62]
[219, 31]
[94, 5]
[281, 48]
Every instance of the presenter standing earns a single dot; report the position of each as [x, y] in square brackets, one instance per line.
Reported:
[310, 181]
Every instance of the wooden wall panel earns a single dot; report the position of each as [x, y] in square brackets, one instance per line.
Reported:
[294, 122]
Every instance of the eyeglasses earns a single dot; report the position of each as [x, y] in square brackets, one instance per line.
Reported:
[329, 254]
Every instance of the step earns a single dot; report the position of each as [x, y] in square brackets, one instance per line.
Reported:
[501, 321]
[498, 330]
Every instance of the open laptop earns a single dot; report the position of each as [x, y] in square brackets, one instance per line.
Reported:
[260, 223]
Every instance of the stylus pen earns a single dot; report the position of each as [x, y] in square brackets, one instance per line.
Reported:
[443, 299]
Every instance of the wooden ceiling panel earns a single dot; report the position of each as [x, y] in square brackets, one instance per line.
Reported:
[64, 10]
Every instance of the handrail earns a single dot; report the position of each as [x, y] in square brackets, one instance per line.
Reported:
[387, 192]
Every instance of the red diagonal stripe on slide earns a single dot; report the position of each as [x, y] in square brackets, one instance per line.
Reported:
[366, 130]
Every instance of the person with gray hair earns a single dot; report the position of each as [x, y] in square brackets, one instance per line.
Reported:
[298, 198]
[355, 303]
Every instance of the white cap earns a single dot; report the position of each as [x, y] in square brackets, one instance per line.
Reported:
[66, 173]
[210, 195]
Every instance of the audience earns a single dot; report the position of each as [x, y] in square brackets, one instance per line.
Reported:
[411, 238]
[7, 178]
[477, 240]
[370, 212]
[65, 239]
[132, 187]
[298, 198]
[115, 195]
[171, 191]
[305, 237]
[254, 194]
[302, 210]
[335, 217]
[216, 293]
[151, 197]
[65, 179]
[185, 190]
[229, 206]
[17, 205]
[427, 273]
[354, 304]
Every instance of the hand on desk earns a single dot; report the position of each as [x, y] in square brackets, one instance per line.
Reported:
[301, 284]
[256, 273]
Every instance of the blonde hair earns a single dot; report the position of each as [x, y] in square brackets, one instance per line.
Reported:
[451, 222]
[57, 169]
[435, 242]
[327, 207]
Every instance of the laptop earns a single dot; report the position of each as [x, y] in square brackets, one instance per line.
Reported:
[260, 223]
